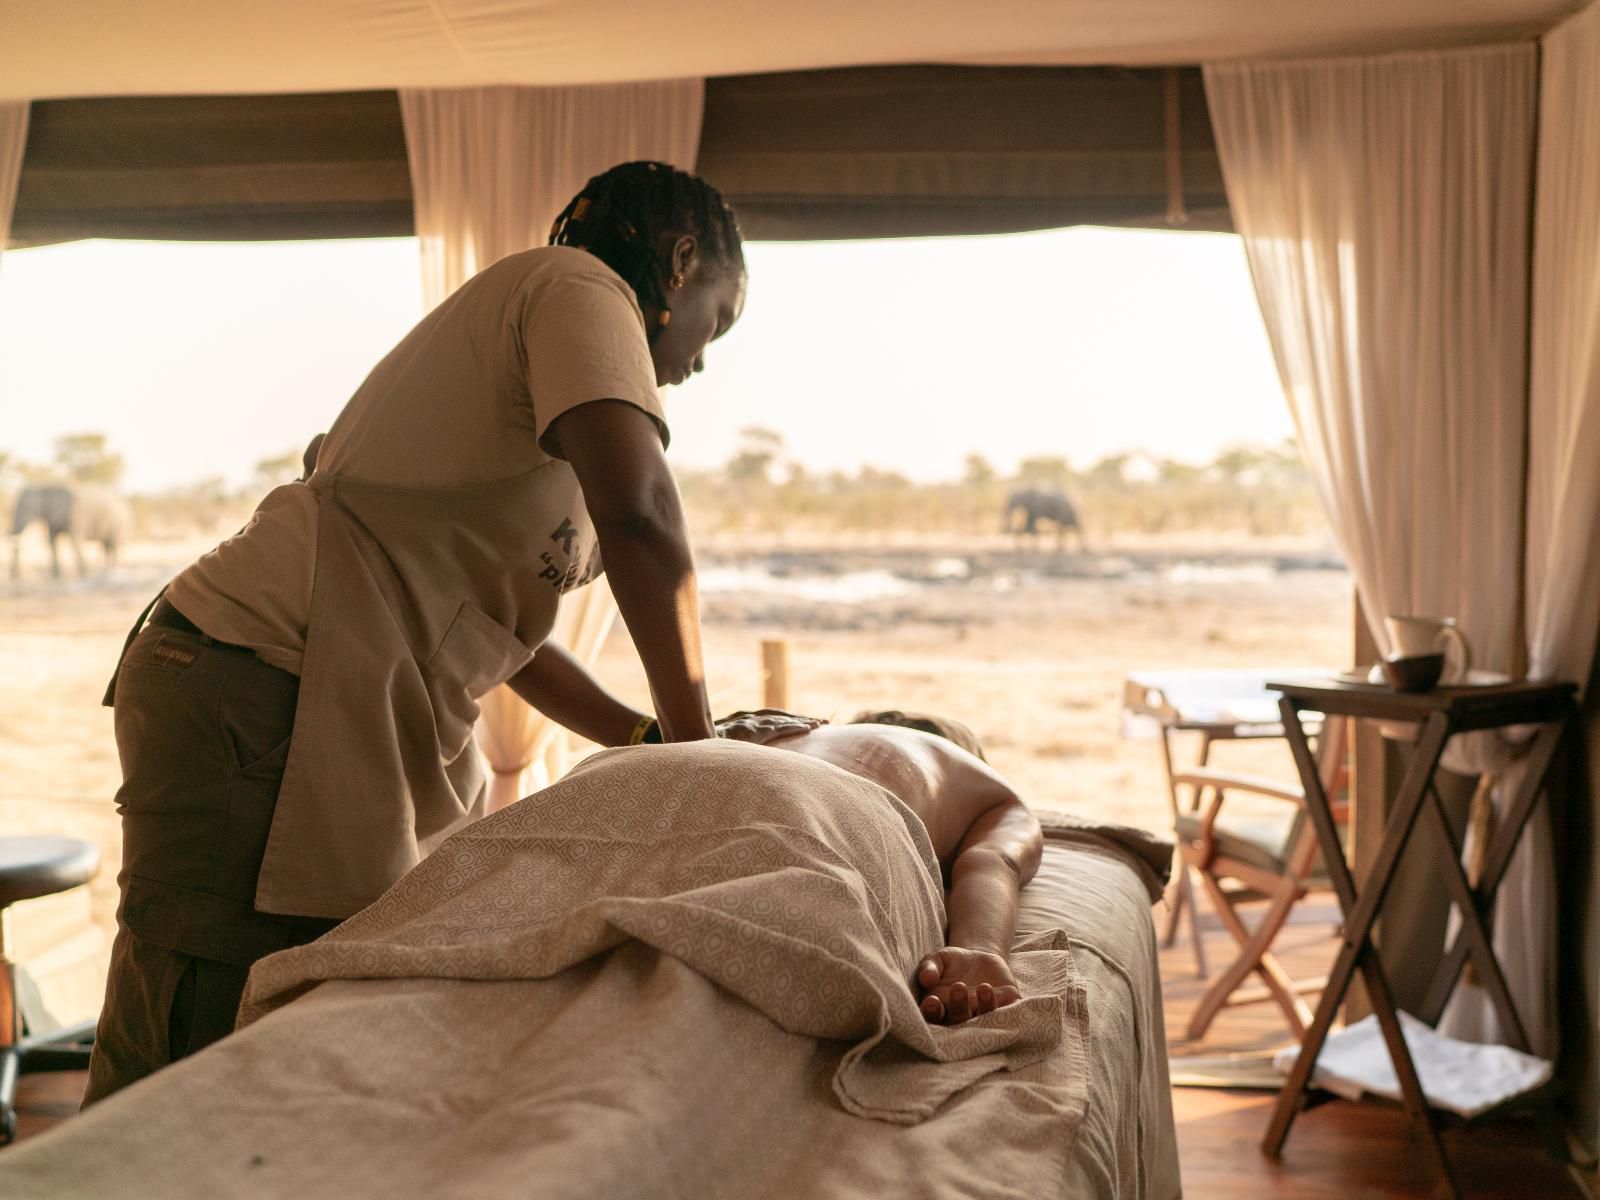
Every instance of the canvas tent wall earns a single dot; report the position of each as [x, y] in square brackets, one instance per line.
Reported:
[855, 152]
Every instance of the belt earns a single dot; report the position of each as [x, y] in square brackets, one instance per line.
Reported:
[159, 612]
[166, 615]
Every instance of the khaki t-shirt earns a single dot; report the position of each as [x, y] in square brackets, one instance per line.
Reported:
[463, 400]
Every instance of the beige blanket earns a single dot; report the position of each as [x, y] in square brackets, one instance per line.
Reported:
[806, 891]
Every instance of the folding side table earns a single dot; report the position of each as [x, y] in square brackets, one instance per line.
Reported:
[1441, 714]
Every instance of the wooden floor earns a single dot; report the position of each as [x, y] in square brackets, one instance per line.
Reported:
[1336, 1151]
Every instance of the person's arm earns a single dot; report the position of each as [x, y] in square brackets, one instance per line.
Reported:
[614, 448]
[561, 687]
[999, 852]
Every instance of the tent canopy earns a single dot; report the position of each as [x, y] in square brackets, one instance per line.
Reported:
[167, 119]
[162, 47]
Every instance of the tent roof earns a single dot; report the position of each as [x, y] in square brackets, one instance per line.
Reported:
[154, 47]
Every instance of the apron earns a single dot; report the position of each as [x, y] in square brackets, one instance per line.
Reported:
[422, 601]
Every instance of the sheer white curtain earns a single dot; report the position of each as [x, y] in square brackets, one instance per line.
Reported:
[1564, 391]
[1384, 204]
[490, 169]
[1563, 553]
[13, 138]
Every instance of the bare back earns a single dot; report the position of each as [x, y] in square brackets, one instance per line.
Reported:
[945, 786]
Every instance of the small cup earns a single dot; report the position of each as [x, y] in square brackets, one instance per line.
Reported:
[1411, 637]
[1413, 672]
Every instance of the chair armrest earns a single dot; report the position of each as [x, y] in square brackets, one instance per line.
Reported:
[1225, 781]
[1206, 844]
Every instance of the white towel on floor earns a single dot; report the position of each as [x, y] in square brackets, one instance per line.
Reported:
[1465, 1078]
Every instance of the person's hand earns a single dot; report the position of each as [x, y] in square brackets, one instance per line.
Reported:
[765, 725]
[956, 984]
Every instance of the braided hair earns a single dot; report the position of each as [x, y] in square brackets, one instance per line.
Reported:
[622, 215]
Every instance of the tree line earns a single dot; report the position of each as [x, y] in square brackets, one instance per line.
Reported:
[763, 489]
[1245, 489]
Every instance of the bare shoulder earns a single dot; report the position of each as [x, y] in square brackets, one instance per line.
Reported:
[944, 785]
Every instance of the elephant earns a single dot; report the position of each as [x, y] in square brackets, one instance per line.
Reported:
[1043, 504]
[78, 513]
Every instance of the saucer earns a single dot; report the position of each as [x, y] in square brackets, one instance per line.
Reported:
[1374, 675]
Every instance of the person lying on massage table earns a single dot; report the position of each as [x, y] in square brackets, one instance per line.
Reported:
[987, 842]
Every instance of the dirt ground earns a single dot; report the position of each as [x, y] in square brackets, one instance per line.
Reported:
[1027, 646]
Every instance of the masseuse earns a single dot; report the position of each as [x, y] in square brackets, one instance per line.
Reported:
[295, 719]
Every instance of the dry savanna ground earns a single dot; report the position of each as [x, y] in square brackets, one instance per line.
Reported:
[1027, 645]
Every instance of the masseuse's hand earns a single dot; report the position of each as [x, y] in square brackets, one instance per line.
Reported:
[765, 725]
[956, 984]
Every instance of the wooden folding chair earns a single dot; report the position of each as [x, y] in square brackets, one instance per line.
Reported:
[1224, 705]
[1238, 860]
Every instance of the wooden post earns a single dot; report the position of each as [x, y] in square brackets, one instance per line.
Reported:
[775, 673]
[1177, 210]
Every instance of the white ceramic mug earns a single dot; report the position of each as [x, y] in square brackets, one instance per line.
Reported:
[1430, 635]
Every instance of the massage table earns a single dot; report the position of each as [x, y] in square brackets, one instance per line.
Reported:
[630, 1071]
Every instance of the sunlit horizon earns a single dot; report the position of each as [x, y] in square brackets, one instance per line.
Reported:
[199, 360]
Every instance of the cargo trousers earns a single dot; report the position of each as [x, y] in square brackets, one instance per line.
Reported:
[202, 733]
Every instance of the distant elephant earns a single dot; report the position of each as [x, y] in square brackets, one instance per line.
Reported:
[84, 513]
[1043, 504]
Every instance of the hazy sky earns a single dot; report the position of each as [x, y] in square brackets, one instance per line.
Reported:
[200, 359]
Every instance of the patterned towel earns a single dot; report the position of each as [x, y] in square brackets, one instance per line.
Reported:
[803, 889]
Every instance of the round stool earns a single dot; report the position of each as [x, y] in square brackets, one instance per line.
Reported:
[31, 867]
